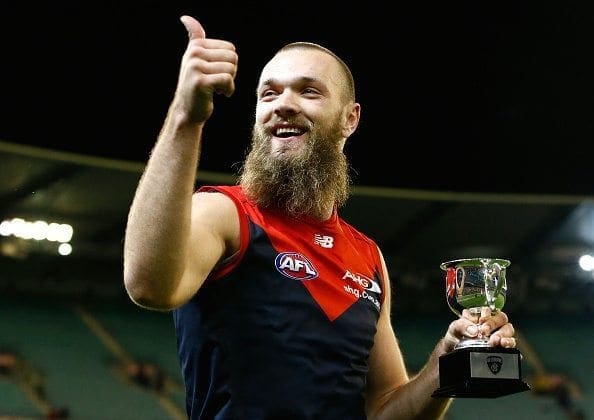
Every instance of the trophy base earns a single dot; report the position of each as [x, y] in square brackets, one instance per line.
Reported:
[480, 372]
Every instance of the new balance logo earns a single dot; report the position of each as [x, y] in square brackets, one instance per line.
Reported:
[323, 240]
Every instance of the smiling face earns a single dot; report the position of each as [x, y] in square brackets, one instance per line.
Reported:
[302, 92]
[304, 114]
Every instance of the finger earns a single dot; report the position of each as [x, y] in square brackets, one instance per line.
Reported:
[493, 322]
[222, 83]
[463, 327]
[218, 75]
[503, 337]
[507, 342]
[484, 319]
[470, 315]
[194, 28]
[215, 51]
[485, 313]
[506, 330]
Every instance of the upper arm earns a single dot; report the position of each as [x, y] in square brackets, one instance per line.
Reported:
[387, 370]
[214, 235]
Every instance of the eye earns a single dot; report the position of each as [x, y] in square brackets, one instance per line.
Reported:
[268, 94]
[310, 91]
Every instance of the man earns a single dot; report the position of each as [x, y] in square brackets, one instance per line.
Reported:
[281, 309]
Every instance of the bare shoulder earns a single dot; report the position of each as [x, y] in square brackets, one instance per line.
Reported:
[214, 207]
[217, 213]
[214, 199]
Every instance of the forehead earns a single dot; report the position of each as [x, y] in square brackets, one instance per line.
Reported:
[298, 64]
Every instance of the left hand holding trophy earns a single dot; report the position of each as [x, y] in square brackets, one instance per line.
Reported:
[474, 369]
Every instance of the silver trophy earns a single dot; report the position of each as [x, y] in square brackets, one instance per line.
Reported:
[476, 284]
[474, 369]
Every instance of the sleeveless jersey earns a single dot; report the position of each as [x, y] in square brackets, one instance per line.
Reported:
[283, 329]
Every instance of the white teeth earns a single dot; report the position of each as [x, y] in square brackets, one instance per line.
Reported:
[287, 130]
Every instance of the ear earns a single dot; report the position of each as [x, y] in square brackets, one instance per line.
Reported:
[352, 116]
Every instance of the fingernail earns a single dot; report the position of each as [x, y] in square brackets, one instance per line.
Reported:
[472, 330]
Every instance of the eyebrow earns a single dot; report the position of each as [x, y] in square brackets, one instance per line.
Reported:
[301, 80]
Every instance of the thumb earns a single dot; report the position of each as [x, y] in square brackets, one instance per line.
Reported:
[194, 28]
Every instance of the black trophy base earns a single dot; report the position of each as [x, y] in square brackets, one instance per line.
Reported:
[480, 372]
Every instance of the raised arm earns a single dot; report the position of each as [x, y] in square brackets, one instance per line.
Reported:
[173, 240]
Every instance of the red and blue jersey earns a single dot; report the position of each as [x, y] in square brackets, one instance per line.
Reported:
[283, 329]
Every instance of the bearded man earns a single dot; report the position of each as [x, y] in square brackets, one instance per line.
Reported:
[281, 308]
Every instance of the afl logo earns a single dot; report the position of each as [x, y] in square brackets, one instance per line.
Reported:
[295, 266]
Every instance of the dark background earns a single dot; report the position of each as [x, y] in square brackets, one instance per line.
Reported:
[478, 97]
[471, 96]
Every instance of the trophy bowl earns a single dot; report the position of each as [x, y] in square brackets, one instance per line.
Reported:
[475, 284]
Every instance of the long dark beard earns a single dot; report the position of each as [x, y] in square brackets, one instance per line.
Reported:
[304, 184]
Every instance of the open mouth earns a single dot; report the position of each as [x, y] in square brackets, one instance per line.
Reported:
[286, 132]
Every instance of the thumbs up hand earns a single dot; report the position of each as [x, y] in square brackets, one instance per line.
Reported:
[208, 66]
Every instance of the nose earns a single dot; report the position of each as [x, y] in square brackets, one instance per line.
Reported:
[286, 104]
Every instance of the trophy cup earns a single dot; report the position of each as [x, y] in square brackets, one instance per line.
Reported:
[473, 369]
